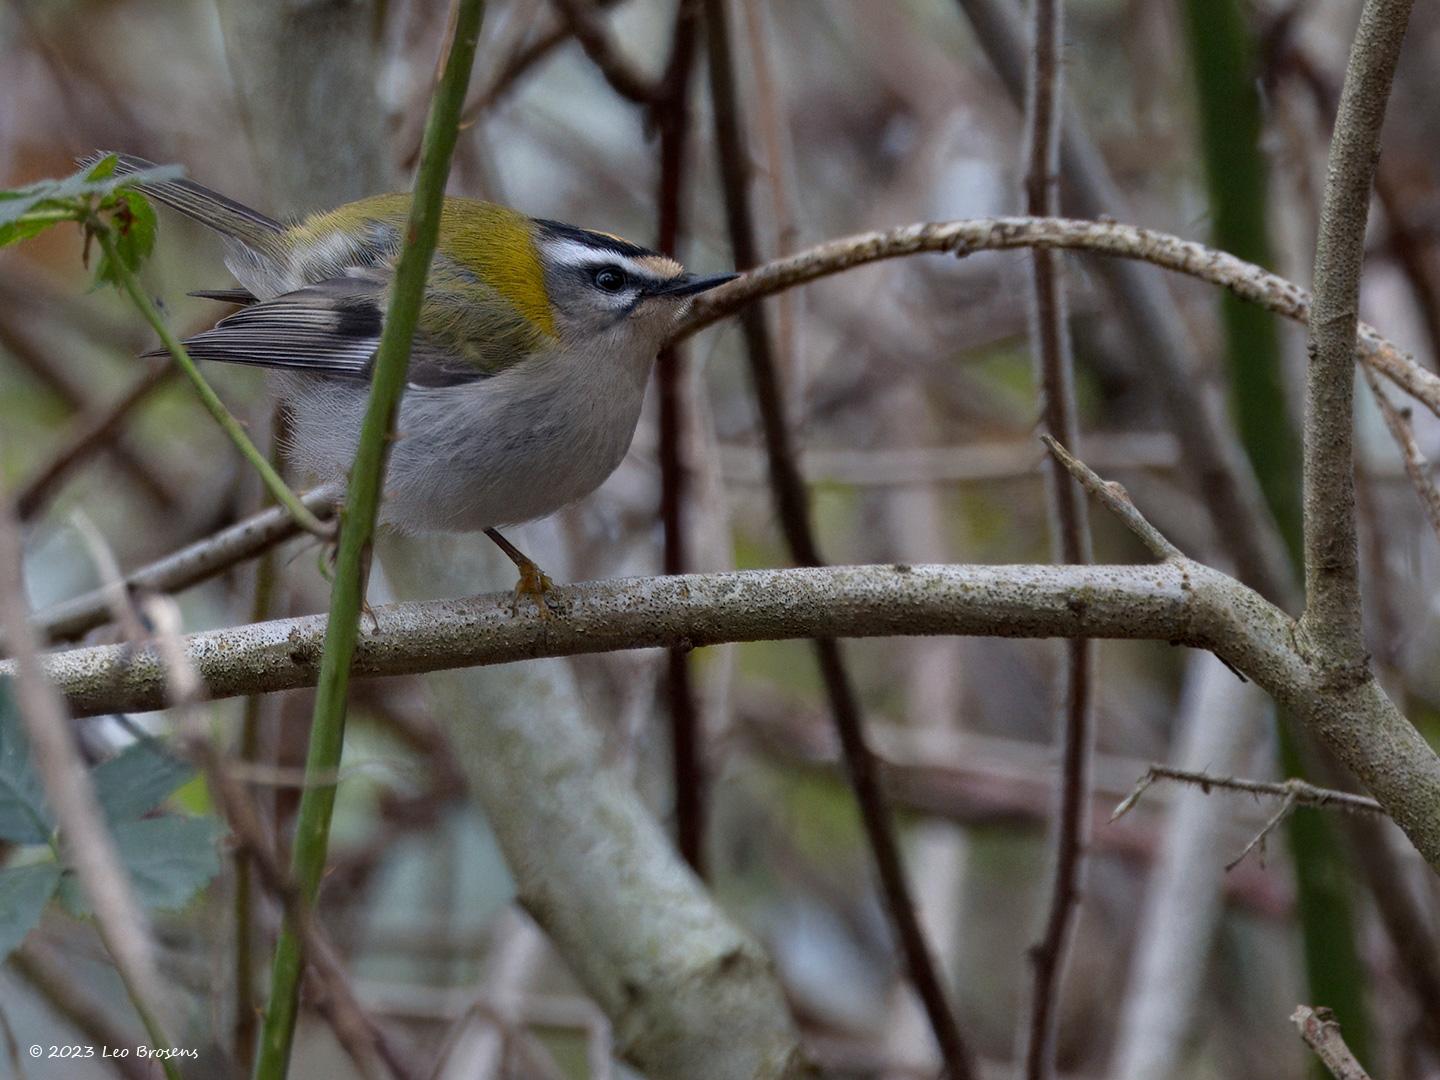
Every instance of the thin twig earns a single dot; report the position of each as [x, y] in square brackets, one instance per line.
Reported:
[791, 501]
[589, 29]
[1069, 543]
[362, 503]
[55, 982]
[1287, 806]
[189, 566]
[1417, 468]
[1333, 620]
[1161, 352]
[94, 430]
[1116, 499]
[671, 117]
[1321, 1033]
[969, 236]
[76, 398]
[1303, 792]
[357, 1034]
[71, 795]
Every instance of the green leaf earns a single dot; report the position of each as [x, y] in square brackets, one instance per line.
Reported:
[13, 232]
[24, 892]
[138, 779]
[23, 817]
[169, 859]
[134, 225]
[34, 208]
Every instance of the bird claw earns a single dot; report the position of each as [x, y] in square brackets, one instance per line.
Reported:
[534, 584]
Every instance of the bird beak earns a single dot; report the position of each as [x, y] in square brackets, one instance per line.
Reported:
[688, 284]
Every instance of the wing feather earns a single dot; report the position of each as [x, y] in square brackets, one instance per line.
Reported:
[329, 328]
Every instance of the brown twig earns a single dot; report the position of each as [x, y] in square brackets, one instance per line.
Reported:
[1117, 500]
[71, 795]
[189, 566]
[1416, 467]
[1302, 792]
[54, 981]
[506, 78]
[791, 501]
[75, 398]
[620, 72]
[1155, 326]
[966, 237]
[1069, 542]
[1321, 1033]
[671, 117]
[356, 1032]
[1332, 623]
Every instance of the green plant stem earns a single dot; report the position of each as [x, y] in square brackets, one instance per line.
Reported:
[357, 527]
[1223, 55]
[248, 750]
[272, 480]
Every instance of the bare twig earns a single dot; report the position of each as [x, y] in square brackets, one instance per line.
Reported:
[360, 1037]
[966, 237]
[1116, 499]
[118, 916]
[1300, 791]
[588, 27]
[1154, 327]
[1069, 542]
[73, 395]
[1287, 806]
[189, 566]
[55, 983]
[1321, 1033]
[671, 116]
[509, 74]
[1416, 467]
[1333, 624]
[791, 503]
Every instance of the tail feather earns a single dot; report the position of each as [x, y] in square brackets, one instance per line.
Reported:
[210, 208]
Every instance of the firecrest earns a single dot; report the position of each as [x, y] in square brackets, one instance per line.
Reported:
[527, 372]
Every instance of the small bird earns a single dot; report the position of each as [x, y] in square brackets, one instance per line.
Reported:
[527, 371]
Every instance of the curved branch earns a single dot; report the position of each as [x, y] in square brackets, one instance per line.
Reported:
[965, 237]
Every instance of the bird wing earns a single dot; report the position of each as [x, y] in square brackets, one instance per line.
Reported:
[329, 328]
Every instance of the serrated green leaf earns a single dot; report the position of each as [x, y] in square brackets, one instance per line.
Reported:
[12, 232]
[134, 227]
[170, 858]
[138, 779]
[23, 817]
[24, 892]
[54, 201]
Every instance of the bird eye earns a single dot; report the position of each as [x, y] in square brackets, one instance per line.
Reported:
[610, 279]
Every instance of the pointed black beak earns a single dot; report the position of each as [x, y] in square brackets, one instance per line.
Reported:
[688, 284]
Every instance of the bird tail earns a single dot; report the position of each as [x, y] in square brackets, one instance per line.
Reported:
[210, 208]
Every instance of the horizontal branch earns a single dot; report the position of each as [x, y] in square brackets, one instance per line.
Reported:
[1179, 601]
[682, 610]
[966, 237]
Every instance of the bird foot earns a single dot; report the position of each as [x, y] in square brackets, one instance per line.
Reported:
[534, 584]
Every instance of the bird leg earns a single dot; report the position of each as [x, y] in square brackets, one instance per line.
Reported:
[534, 583]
